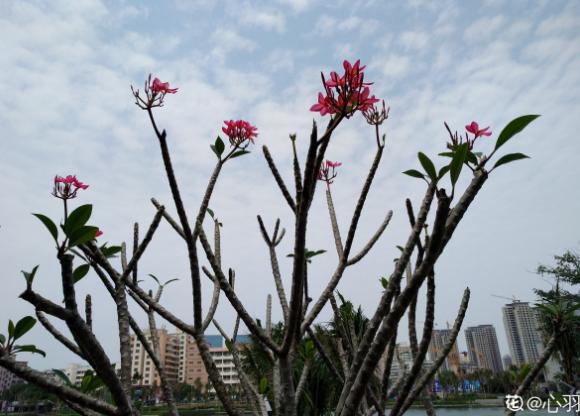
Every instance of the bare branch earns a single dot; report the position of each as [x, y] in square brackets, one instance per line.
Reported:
[421, 351]
[420, 385]
[272, 243]
[233, 298]
[66, 393]
[59, 336]
[279, 179]
[89, 312]
[365, 250]
[303, 378]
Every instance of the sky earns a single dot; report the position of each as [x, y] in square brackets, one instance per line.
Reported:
[67, 108]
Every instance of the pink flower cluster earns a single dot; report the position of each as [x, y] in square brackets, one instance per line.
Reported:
[327, 171]
[240, 132]
[67, 187]
[472, 128]
[345, 94]
[155, 92]
[162, 87]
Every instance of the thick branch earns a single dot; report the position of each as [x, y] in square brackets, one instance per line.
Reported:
[425, 379]
[66, 393]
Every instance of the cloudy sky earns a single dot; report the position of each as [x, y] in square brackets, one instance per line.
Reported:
[67, 109]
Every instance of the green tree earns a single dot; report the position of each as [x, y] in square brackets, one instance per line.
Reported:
[558, 300]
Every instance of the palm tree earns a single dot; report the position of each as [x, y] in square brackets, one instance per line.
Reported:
[560, 315]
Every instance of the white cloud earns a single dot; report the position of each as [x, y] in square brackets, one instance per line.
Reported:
[228, 40]
[327, 26]
[67, 108]
[267, 20]
[560, 23]
[483, 28]
[297, 5]
[414, 40]
[392, 66]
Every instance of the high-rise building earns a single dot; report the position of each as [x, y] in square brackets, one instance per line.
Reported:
[483, 347]
[191, 368]
[76, 372]
[8, 379]
[142, 367]
[439, 338]
[522, 330]
[182, 360]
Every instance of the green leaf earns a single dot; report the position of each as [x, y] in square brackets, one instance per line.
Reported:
[82, 235]
[110, 252]
[263, 385]
[309, 254]
[169, 281]
[60, 374]
[229, 345]
[239, 153]
[10, 329]
[49, 224]
[513, 128]
[155, 278]
[29, 348]
[210, 212]
[443, 171]
[80, 272]
[414, 173]
[218, 147]
[77, 218]
[457, 162]
[309, 349]
[471, 158]
[90, 382]
[384, 282]
[29, 276]
[23, 326]
[2, 339]
[446, 154]
[511, 157]
[427, 165]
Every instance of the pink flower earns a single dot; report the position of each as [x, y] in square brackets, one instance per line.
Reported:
[155, 92]
[345, 94]
[67, 187]
[239, 132]
[98, 233]
[327, 171]
[324, 105]
[162, 87]
[474, 128]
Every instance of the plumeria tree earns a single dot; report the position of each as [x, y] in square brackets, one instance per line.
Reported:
[292, 348]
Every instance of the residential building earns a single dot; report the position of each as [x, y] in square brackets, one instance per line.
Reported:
[191, 369]
[224, 362]
[8, 379]
[76, 372]
[142, 367]
[439, 338]
[402, 363]
[507, 361]
[522, 329]
[483, 347]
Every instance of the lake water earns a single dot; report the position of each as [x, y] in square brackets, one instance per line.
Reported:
[490, 411]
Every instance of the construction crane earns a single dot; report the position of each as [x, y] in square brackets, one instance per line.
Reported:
[513, 298]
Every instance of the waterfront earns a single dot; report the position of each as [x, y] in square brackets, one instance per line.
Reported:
[480, 411]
